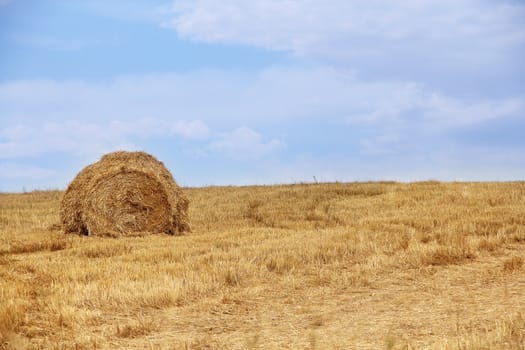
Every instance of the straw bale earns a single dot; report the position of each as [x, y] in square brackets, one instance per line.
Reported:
[125, 193]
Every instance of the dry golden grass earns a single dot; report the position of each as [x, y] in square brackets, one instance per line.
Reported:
[326, 266]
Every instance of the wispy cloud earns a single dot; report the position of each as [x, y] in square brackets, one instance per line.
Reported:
[456, 33]
[90, 137]
[244, 144]
[70, 136]
[411, 105]
[265, 97]
[17, 171]
[85, 117]
[194, 129]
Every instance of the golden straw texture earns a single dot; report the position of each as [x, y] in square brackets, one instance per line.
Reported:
[125, 193]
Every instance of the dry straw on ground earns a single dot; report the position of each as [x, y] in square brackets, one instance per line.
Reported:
[326, 266]
[125, 193]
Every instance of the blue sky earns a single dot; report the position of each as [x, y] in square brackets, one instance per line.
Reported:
[250, 92]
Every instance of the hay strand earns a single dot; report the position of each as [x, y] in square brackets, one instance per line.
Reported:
[125, 193]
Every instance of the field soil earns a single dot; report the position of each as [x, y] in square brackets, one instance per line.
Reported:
[308, 266]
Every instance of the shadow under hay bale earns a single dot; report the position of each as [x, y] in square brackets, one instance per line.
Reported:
[125, 193]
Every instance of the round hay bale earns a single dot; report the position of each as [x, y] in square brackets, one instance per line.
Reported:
[125, 193]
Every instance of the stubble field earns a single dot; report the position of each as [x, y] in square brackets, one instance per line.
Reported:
[319, 266]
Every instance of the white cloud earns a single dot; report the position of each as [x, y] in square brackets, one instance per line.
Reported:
[245, 144]
[189, 96]
[17, 171]
[147, 127]
[88, 138]
[449, 111]
[413, 105]
[194, 129]
[90, 118]
[459, 33]
[186, 103]
[415, 116]
[79, 138]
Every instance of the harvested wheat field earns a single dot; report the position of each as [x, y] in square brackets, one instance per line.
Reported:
[322, 266]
